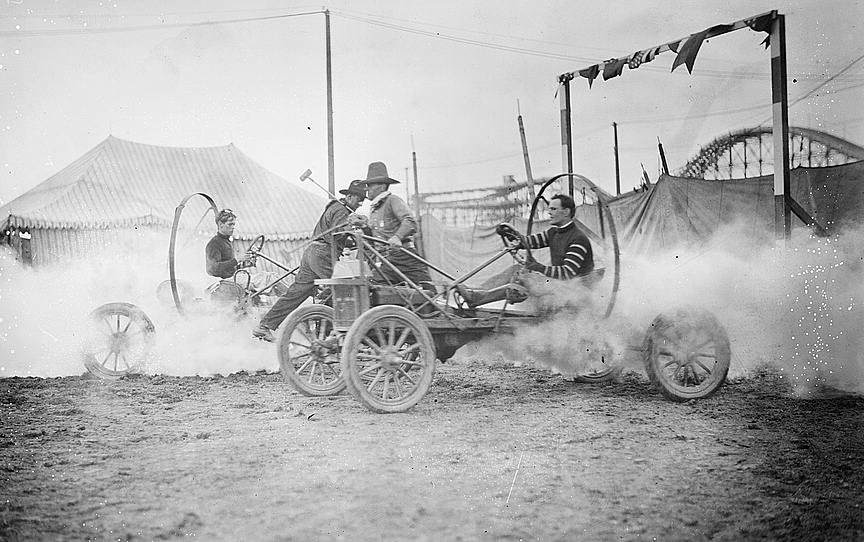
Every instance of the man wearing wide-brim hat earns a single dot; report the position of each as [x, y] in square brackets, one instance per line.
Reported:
[317, 261]
[391, 219]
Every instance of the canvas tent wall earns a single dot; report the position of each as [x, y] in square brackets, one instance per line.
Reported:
[675, 212]
[121, 188]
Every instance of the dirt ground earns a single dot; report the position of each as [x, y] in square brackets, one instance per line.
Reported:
[493, 452]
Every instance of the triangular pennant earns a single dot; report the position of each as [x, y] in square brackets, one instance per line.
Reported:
[674, 45]
[590, 74]
[687, 53]
[761, 24]
[613, 67]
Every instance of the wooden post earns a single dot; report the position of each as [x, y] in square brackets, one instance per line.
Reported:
[566, 135]
[528, 175]
[780, 129]
[617, 165]
[331, 174]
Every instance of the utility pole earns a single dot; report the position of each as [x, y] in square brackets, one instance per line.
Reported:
[331, 174]
[528, 173]
[418, 239]
[617, 165]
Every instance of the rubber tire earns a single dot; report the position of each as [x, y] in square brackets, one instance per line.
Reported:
[132, 313]
[287, 365]
[671, 333]
[351, 369]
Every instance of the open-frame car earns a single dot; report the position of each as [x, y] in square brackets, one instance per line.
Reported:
[121, 334]
[382, 340]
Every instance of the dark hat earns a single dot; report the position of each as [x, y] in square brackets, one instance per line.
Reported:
[356, 188]
[378, 174]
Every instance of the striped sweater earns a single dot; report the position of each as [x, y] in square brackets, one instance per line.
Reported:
[569, 248]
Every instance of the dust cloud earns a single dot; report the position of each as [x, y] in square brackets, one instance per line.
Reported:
[796, 309]
[44, 313]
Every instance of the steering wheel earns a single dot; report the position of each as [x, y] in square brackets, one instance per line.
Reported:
[512, 240]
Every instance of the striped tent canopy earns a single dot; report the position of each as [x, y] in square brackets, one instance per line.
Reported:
[123, 184]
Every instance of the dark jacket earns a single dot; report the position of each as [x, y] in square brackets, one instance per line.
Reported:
[220, 257]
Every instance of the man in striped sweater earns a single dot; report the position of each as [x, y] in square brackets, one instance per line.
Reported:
[570, 253]
[569, 248]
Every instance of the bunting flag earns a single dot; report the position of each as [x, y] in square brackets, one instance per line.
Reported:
[613, 67]
[673, 45]
[762, 24]
[687, 53]
[590, 74]
[649, 54]
[635, 60]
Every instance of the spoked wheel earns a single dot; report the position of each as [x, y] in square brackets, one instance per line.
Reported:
[119, 340]
[600, 368]
[309, 351]
[388, 359]
[687, 354]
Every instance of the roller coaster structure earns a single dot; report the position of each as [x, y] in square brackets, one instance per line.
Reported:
[750, 153]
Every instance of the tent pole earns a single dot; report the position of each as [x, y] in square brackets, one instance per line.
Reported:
[617, 166]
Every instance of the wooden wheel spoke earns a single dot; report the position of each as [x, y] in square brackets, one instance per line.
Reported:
[391, 333]
[110, 327]
[374, 381]
[371, 344]
[108, 355]
[386, 386]
[116, 355]
[367, 357]
[407, 376]
[369, 369]
[397, 385]
[303, 367]
[671, 363]
[380, 336]
[312, 371]
[401, 340]
[301, 345]
[704, 367]
[118, 322]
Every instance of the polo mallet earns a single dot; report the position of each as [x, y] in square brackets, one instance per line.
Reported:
[307, 176]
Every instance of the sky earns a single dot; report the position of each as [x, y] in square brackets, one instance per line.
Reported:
[442, 79]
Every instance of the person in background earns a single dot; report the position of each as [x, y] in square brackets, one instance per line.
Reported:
[316, 263]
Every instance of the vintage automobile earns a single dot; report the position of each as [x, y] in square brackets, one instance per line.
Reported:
[122, 334]
[382, 340]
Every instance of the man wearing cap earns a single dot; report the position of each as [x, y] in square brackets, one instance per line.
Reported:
[317, 262]
[392, 220]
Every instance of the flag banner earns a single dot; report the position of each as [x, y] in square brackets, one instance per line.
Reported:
[686, 49]
[590, 73]
[613, 67]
